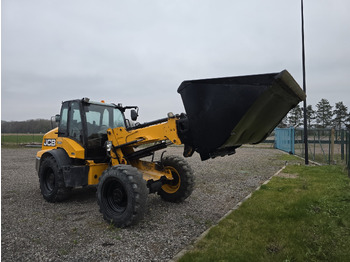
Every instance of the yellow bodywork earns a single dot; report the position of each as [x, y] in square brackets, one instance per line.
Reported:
[73, 149]
[95, 171]
[118, 136]
[52, 141]
[151, 134]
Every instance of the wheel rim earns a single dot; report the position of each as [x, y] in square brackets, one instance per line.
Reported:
[116, 197]
[49, 180]
[173, 185]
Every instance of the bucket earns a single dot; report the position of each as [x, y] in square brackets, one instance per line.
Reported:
[224, 113]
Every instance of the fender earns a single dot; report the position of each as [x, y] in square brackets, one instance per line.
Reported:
[60, 156]
[74, 175]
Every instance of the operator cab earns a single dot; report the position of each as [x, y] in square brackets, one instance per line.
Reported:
[87, 122]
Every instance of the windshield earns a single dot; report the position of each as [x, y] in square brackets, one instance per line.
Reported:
[100, 117]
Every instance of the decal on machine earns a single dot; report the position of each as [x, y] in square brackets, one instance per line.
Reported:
[50, 142]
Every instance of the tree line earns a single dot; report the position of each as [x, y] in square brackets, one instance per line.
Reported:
[30, 126]
[323, 116]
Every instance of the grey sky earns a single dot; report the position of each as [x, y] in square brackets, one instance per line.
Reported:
[138, 52]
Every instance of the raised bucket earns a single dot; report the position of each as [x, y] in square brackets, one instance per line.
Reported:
[224, 113]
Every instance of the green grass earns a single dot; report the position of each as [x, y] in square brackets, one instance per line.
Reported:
[289, 157]
[16, 139]
[306, 218]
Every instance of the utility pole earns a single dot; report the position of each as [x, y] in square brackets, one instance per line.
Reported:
[304, 85]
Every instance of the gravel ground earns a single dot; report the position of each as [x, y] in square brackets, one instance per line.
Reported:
[35, 230]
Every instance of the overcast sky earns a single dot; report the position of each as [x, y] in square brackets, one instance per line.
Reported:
[139, 52]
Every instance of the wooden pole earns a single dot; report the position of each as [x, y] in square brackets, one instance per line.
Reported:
[332, 147]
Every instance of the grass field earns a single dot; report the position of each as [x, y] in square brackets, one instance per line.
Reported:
[18, 139]
[301, 215]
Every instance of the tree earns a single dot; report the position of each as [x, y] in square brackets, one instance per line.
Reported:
[347, 123]
[29, 126]
[324, 113]
[341, 114]
[295, 116]
[283, 123]
[310, 115]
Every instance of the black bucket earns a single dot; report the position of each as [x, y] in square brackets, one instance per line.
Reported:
[224, 113]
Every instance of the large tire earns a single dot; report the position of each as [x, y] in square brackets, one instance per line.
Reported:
[51, 181]
[181, 187]
[122, 195]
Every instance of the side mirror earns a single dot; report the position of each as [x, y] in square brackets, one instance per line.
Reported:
[133, 114]
[57, 118]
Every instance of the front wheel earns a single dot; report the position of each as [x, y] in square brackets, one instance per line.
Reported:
[122, 195]
[181, 187]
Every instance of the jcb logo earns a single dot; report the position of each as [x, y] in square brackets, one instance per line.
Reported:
[50, 142]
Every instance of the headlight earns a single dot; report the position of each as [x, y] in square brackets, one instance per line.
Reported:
[109, 145]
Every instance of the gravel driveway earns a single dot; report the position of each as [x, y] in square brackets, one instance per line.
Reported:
[35, 230]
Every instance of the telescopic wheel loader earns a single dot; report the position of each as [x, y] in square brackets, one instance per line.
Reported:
[94, 144]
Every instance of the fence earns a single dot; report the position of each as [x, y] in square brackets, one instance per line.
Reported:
[324, 145]
[348, 151]
[284, 139]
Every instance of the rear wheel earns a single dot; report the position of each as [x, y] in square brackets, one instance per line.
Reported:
[181, 187]
[51, 181]
[122, 195]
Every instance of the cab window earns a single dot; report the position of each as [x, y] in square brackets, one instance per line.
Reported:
[98, 119]
[75, 125]
[62, 127]
[118, 118]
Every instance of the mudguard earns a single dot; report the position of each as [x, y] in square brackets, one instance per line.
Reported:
[74, 175]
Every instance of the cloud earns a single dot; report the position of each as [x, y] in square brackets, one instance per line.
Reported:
[138, 52]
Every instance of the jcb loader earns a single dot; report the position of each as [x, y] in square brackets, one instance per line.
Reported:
[95, 144]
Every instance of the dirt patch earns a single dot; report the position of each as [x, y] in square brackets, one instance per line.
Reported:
[286, 175]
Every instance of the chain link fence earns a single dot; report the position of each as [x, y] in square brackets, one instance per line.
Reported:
[347, 157]
[327, 146]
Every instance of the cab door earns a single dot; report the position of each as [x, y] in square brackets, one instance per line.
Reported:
[71, 124]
